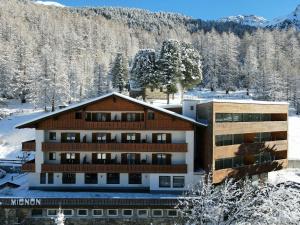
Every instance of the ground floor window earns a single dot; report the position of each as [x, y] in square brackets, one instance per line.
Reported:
[142, 212]
[50, 178]
[82, 212]
[164, 181]
[68, 212]
[42, 178]
[36, 212]
[127, 212]
[113, 178]
[97, 212]
[51, 212]
[157, 213]
[91, 178]
[172, 213]
[178, 181]
[112, 212]
[69, 178]
[135, 178]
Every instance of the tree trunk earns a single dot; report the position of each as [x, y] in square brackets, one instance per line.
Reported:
[168, 98]
[227, 92]
[248, 91]
[52, 105]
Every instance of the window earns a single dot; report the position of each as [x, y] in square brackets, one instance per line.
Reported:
[191, 107]
[97, 117]
[242, 117]
[135, 178]
[263, 157]
[131, 158]
[51, 212]
[112, 212]
[127, 212]
[52, 155]
[101, 156]
[229, 139]
[142, 212]
[91, 178]
[157, 213]
[161, 138]
[229, 163]
[161, 159]
[178, 181]
[101, 137]
[237, 117]
[238, 161]
[164, 181]
[82, 212]
[130, 117]
[50, 178]
[42, 178]
[97, 212]
[150, 115]
[70, 137]
[130, 137]
[113, 178]
[238, 139]
[68, 212]
[78, 115]
[36, 212]
[172, 213]
[52, 136]
[70, 156]
[68, 178]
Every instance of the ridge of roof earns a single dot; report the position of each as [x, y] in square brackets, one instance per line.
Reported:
[74, 106]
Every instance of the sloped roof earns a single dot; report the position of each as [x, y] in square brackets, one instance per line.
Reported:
[84, 103]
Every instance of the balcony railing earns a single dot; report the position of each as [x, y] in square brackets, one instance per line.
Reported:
[28, 145]
[28, 166]
[249, 148]
[115, 147]
[114, 168]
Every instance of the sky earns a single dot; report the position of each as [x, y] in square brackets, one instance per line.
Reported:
[202, 9]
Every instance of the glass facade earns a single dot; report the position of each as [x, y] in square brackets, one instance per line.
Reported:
[242, 117]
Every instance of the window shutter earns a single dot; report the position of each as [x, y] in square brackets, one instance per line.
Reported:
[108, 116]
[124, 116]
[77, 157]
[137, 158]
[94, 137]
[108, 157]
[63, 137]
[108, 137]
[154, 138]
[168, 159]
[137, 117]
[77, 138]
[137, 137]
[124, 158]
[62, 158]
[168, 138]
[154, 159]
[94, 158]
[124, 138]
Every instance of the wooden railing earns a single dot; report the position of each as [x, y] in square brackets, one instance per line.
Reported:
[28, 145]
[114, 168]
[115, 147]
[28, 166]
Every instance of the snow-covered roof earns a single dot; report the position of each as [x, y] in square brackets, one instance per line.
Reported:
[245, 101]
[78, 105]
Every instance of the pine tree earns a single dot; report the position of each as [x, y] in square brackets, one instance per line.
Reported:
[119, 73]
[143, 73]
[169, 66]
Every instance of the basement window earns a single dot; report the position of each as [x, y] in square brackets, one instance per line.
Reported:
[97, 212]
[172, 213]
[157, 213]
[68, 212]
[127, 212]
[112, 212]
[51, 212]
[82, 212]
[142, 212]
[36, 212]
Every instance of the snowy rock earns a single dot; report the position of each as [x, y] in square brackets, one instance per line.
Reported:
[251, 20]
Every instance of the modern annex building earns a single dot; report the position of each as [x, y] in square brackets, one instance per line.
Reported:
[116, 157]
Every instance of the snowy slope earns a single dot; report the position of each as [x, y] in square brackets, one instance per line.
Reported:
[49, 3]
[291, 20]
[251, 20]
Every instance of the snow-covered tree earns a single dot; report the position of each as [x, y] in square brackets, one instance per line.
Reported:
[119, 73]
[60, 218]
[143, 73]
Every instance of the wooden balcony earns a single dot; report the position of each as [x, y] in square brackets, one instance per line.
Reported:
[28, 166]
[114, 168]
[114, 147]
[251, 148]
[221, 175]
[250, 127]
[28, 145]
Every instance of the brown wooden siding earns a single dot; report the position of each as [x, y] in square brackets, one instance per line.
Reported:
[220, 175]
[111, 168]
[28, 146]
[242, 149]
[28, 167]
[114, 147]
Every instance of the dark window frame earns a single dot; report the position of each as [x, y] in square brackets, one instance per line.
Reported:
[166, 183]
[68, 178]
[134, 178]
[91, 178]
[114, 180]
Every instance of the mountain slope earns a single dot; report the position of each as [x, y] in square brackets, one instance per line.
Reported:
[290, 21]
[250, 20]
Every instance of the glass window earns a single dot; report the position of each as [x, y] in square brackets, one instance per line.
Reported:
[97, 212]
[101, 137]
[68, 178]
[142, 212]
[218, 164]
[113, 178]
[157, 212]
[70, 156]
[50, 178]
[112, 212]
[131, 158]
[227, 163]
[82, 212]
[164, 181]
[51, 212]
[127, 212]
[68, 212]
[192, 108]
[101, 156]
[150, 115]
[238, 139]
[42, 178]
[238, 161]
[130, 137]
[130, 117]
[265, 117]
[161, 138]
[36, 212]
[52, 136]
[237, 117]
[178, 181]
[227, 117]
[162, 159]
[52, 156]
[135, 178]
[227, 139]
[219, 140]
[91, 178]
[265, 157]
[172, 213]
[265, 137]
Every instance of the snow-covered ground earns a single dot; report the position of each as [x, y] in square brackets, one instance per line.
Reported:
[49, 3]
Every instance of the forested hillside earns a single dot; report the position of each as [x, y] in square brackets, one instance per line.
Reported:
[65, 54]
